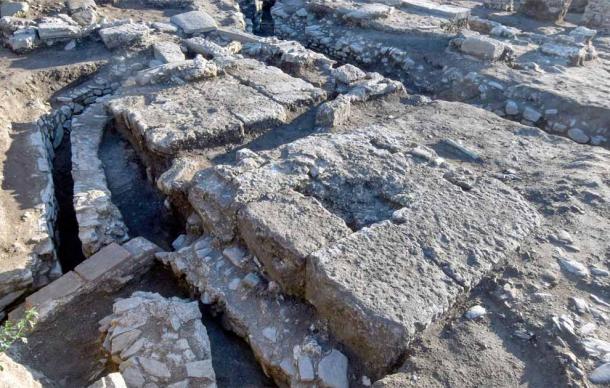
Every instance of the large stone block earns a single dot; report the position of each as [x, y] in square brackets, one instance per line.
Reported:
[103, 261]
[194, 22]
[283, 229]
[56, 294]
[124, 35]
[482, 47]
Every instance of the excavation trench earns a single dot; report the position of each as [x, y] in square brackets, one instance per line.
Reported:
[145, 214]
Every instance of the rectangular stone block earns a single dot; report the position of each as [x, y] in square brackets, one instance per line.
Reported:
[283, 229]
[103, 261]
[66, 286]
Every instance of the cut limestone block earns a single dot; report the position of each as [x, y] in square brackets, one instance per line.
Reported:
[198, 115]
[283, 229]
[194, 22]
[277, 85]
[59, 292]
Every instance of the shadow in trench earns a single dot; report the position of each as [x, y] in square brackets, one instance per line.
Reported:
[141, 204]
[70, 249]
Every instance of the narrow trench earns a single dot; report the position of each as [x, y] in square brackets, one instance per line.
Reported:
[145, 214]
[69, 247]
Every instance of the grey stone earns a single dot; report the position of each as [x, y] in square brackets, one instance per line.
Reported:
[194, 22]
[124, 35]
[531, 114]
[168, 52]
[601, 374]
[578, 135]
[332, 370]
[511, 108]
[482, 47]
[13, 8]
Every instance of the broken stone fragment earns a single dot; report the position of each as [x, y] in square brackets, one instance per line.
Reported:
[181, 71]
[334, 112]
[348, 74]
[482, 47]
[553, 10]
[113, 380]
[332, 370]
[54, 29]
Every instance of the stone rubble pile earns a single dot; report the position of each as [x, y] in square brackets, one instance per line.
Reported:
[157, 341]
[597, 15]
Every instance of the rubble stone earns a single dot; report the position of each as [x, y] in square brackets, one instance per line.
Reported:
[166, 343]
[168, 52]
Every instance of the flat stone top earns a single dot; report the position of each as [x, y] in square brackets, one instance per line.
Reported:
[383, 273]
[194, 22]
[296, 222]
[102, 261]
[66, 285]
[274, 83]
[202, 114]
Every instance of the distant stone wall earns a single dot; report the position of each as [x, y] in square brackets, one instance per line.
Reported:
[554, 10]
[500, 5]
[597, 15]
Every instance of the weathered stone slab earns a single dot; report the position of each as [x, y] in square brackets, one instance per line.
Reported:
[448, 11]
[194, 22]
[58, 29]
[199, 115]
[292, 92]
[167, 52]
[103, 261]
[124, 35]
[283, 229]
[56, 293]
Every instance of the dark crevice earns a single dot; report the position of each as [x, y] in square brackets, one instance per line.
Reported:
[140, 203]
[69, 251]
